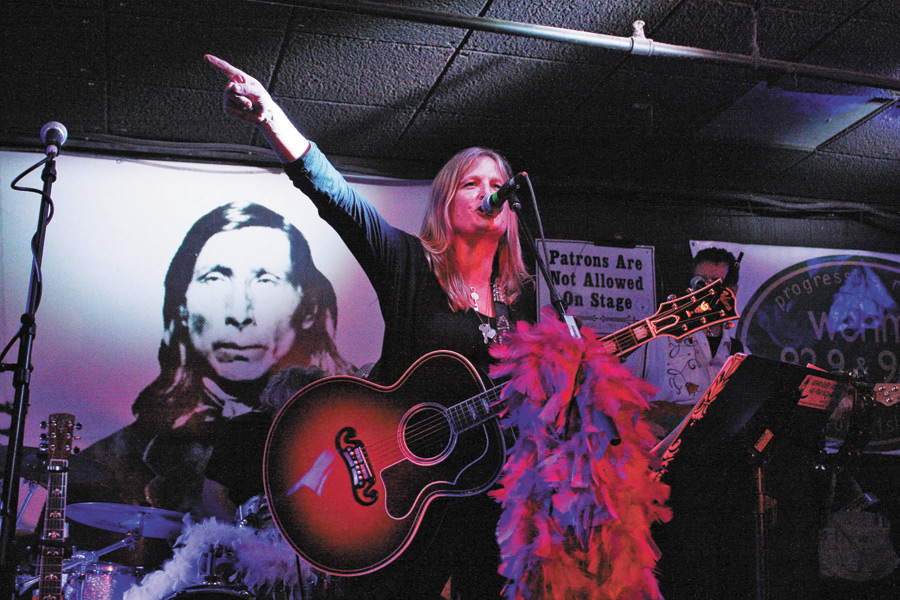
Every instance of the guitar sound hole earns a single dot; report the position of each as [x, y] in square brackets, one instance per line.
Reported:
[427, 437]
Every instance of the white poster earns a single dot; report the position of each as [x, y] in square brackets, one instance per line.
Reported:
[606, 288]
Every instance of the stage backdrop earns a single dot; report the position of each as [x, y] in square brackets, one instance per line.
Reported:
[116, 226]
[836, 309]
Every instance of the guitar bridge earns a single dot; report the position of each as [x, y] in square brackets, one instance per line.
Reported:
[362, 479]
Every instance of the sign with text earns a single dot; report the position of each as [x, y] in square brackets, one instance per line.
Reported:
[607, 288]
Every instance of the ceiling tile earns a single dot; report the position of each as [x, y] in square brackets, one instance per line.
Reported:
[80, 104]
[203, 13]
[371, 72]
[63, 41]
[349, 130]
[403, 95]
[387, 29]
[839, 177]
[169, 52]
[172, 114]
[670, 104]
[491, 84]
[878, 138]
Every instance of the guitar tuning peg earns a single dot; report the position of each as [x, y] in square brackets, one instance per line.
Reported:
[729, 325]
[44, 437]
[79, 426]
[43, 424]
[671, 297]
[76, 449]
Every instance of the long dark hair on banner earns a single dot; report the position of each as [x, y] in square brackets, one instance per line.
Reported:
[177, 390]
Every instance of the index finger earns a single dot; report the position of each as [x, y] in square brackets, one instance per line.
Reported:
[226, 68]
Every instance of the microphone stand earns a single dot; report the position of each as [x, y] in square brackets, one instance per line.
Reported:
[21, 379]
[566, 318]
[555, 299]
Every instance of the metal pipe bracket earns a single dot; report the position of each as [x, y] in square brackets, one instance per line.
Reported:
[640, 45]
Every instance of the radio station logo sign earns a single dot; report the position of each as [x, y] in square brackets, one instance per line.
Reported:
[838, 313]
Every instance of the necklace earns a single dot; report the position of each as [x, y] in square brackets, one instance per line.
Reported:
[486, 330]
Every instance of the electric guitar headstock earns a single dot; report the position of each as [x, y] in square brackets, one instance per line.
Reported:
[677, 317]
[887, 394]
[710, 305]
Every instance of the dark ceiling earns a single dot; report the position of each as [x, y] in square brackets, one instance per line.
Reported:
[397, 96]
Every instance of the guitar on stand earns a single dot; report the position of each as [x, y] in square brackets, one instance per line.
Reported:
[59, 438]
[350, 467]
[80, 577]
[83, 577]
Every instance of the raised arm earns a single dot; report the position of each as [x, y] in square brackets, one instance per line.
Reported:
[248, 99]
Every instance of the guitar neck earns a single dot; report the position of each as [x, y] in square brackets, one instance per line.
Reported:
[53, 538]
[627, 339]
[677, 318]
[479, 409]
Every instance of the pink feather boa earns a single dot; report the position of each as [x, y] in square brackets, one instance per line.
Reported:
[576, 510]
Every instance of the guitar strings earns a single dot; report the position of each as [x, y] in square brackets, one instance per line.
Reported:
[431, 427]
[438, 423]
[441, 422]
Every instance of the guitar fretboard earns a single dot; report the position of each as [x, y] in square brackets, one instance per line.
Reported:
[476, 410]
[53, 537]
[627, 339]
[702, 308]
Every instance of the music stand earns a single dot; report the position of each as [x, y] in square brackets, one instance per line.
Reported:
[754, 406]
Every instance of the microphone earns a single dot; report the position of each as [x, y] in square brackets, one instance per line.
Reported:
[697, 282]
[734, 271]
[493, 203]
[53, 135]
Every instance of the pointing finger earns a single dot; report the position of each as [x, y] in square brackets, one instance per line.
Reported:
[225, 68]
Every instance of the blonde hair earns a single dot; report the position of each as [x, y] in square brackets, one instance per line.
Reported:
[437, 233]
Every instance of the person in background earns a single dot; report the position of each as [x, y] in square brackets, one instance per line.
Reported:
[707, 546]
[683, 369]
[456, 286]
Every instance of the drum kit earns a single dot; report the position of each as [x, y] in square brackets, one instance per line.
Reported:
[88, 578]
[212, 569]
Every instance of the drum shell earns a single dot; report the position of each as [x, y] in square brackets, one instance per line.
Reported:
[213, 591]
[101, 581]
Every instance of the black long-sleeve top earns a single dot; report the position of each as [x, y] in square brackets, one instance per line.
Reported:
[416, 311]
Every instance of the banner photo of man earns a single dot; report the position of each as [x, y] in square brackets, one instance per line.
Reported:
[171, 293]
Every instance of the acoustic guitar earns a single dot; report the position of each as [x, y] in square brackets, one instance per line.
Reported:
[351, 467]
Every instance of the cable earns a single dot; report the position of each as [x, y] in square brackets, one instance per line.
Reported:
[36, 266]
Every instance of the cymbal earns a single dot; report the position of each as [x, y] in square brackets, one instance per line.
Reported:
[34, 467]
[123, 518]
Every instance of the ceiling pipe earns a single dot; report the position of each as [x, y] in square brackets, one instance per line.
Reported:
[637, 44]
